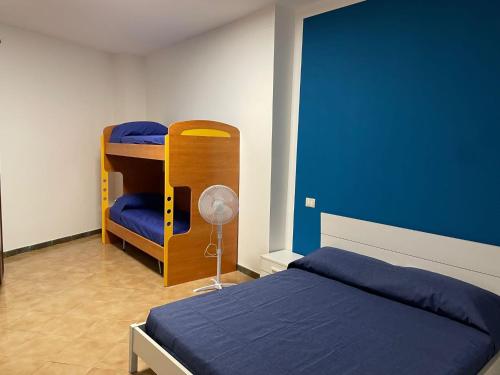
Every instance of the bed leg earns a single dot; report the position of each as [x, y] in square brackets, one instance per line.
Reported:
[132, 369]
[124, 244]
[132, 362]
[160, 268]
[105, 237]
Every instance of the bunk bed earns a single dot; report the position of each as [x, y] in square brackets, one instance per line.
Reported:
[164, 172]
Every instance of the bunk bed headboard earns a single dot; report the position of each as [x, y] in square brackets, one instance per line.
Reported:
[201, 153]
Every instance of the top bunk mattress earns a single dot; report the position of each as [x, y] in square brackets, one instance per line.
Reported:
[139, 132]
[305, 321]
[144, 139]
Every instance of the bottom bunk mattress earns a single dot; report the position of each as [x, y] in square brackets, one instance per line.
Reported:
[143, 213]
[304, 321]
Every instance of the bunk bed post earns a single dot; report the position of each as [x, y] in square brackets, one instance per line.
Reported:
[104, 192]
[169, 210]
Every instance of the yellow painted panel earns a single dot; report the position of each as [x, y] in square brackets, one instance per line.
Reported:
[206, 133]
[169, 210]
[104, 191]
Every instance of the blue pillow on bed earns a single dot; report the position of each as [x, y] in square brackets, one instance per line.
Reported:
[426, 290]
[136, 128]
[138, 200]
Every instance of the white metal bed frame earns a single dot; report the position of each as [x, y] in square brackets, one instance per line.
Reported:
[475, 263]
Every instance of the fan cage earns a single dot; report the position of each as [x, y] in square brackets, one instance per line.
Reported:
[218, 204]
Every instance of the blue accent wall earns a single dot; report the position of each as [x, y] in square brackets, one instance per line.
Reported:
[400, 118]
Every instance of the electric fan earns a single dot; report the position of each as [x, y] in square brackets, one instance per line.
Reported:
[218, 205]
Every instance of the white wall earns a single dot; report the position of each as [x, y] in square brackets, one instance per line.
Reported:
[129, 88]
[129, 102]
[227, 75]
[55, 98]
[282, 104]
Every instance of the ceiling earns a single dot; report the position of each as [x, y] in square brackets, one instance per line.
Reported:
[125, 26]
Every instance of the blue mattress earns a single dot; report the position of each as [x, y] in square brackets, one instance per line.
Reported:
[139, 132]
[305, 321]
[143, 214]
[144, 139]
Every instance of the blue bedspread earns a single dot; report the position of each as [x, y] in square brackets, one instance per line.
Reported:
[303, 321]
[143, 214]
[139, 132]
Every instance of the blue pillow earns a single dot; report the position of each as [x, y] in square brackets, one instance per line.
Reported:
[137, 128]
[426, 290]
[138, 200]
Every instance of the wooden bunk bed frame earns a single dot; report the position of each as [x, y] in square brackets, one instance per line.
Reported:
[196, 155]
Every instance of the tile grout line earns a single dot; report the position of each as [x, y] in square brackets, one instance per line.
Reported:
[57, 241]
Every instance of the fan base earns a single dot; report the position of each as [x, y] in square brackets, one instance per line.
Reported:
[215, 286]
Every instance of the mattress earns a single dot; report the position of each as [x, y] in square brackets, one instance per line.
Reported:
[144, 139]
[143, 214]
[139, 132]
[305, 322]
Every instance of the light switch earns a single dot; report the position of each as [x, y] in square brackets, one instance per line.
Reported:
[310, 202]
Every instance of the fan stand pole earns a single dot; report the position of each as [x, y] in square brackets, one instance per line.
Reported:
[217, 285]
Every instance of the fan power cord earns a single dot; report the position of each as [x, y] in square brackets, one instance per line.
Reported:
[211, 244]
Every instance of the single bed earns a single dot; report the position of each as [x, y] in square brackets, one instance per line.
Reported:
[139, 132]
[338, 312]
[143, 213]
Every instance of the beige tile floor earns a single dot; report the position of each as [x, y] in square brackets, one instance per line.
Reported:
[66, 309]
